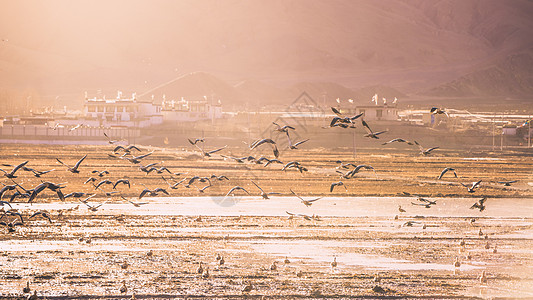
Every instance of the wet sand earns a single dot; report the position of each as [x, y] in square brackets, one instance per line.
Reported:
[85, 254]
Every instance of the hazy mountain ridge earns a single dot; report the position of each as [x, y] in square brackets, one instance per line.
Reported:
[411, 45]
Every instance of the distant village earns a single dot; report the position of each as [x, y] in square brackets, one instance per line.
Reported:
[131, 119]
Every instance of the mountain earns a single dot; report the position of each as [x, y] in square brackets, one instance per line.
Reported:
[510, 77]
[64, 47]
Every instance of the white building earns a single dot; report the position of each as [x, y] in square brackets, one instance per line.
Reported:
[190, 110]
[121, 112]
[375, 112]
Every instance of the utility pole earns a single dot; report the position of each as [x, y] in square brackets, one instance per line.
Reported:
[529, 131]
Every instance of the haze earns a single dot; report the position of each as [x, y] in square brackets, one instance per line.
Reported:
[59, 49]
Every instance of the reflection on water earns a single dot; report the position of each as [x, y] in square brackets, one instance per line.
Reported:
[327, 206]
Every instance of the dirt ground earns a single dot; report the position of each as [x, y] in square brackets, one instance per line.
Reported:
[84, 254]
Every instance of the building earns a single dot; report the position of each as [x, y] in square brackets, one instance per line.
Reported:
[120, 112]
[190, 110]
[374, 112]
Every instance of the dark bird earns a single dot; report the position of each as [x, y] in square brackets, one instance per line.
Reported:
[237, 159]
[43, 214]
[76, 195]
[284, 128]
[106, 181]
[76, 166]
[233, 189]
[343, 165]
[148, 168]
[208, 153]
[91, 179]
[47, 185]
[2, 203]
[351, 174]
[343, 121]
[507, 183]
[197, 178]
[260, 142]
[263, 193]
[13, 213]
[480, 204]
[295, 145]
[424, 202]
[137, 159]
[15, 169]
[294, 164]
[162, 169]
[123, 181]
[153, 193]
[100, 173]
[333, 185]
[369, 131]
[305, 202]
[270, 161]
[35, 172]
[400, 209]
[196, 141]
[219, 178]
[126, 149]
[435, 111]
[473, 187]
[425, 151]
[399, 140]
[446, 170]
[7, 188]
[92, 207]
[11, 225]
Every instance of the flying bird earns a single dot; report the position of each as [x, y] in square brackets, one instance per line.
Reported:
[284, 128]
[47, 185]
[472, 188]
[76, 166]
[136, 204]
[425, 151]
[369, 131]
[196, 141]
[295, 145]
[123, 181]
[43, 214]
[100, 173]
[263, 193]
[399, 140]
[507, 183]
[436, 110]
[15, 169]
[305, 202]
[480, 204]
[235, 188]
[446, 170]
[333, 185]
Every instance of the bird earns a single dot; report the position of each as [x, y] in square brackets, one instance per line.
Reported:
[286, 261]
[446, 170]
[424, 202]
[109, 140]
[106, 181]
[294, 164]
[11, 225]
[343, 121]
[137, 159]
[472, 188]
[76, 166]
[136, 204]
[200, 269]
[457, 263]
[15, 169]
[270, 161]
[123, 181]
[35, 172]
[333, 185]
[75, 127]
[175, 184]
[148, 168]
[307, 203]
[400, 209]
[284, 128]
[205, 274]
[7, 188]
[399, 140]
[343, 165]
[263, 194]
[273, 266]
[153, 193]
[507, 183]
[91, 207]
[196, 141]
[100, 173]
[208, 153]
[91, 179]
[26, 289]
[425, 151]
[436, 110]
[483, 277]
[369, 131]
[295, 145]
[123, 288]
[480, 204]
[351, 174]
[43, 214]
[126, 149]
[247, 288]
[271, 142]
[233, 189]
[47, 185]
[334, 262]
